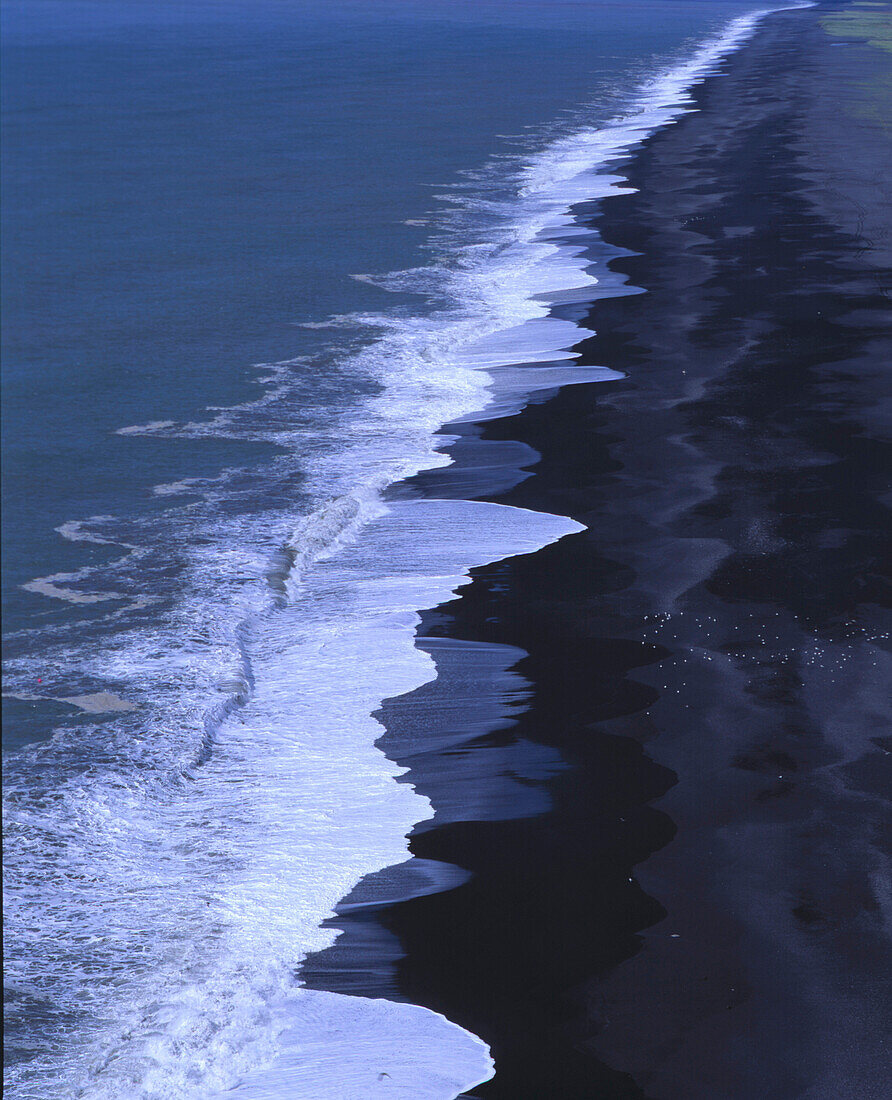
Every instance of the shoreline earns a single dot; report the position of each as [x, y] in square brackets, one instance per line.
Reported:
[313, 652]
[681, 705]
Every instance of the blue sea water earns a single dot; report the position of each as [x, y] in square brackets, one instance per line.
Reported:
[255, 254]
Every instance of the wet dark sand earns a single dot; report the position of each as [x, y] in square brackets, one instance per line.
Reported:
[675, 806]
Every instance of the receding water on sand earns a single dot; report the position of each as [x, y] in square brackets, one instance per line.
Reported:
[172, 865]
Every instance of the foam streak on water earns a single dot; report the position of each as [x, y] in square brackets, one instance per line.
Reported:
[169, 868]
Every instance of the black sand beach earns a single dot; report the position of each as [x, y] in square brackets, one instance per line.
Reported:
[672, 810]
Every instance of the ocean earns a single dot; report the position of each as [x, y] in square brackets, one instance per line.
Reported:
[256, 255]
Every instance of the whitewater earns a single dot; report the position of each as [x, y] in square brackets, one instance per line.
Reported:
[169, 868]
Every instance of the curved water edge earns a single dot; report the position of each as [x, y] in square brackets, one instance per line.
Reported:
[369, 1048]
[219, 1001]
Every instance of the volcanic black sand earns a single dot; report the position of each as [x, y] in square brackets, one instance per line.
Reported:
[673, 808]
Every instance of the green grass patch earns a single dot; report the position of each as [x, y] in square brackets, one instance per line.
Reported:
[868, 20]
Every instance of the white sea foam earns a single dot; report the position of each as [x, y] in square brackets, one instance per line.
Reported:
[146, 429]
[171, 869]
[363, 1046]
[182, 487]
[292, 808]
